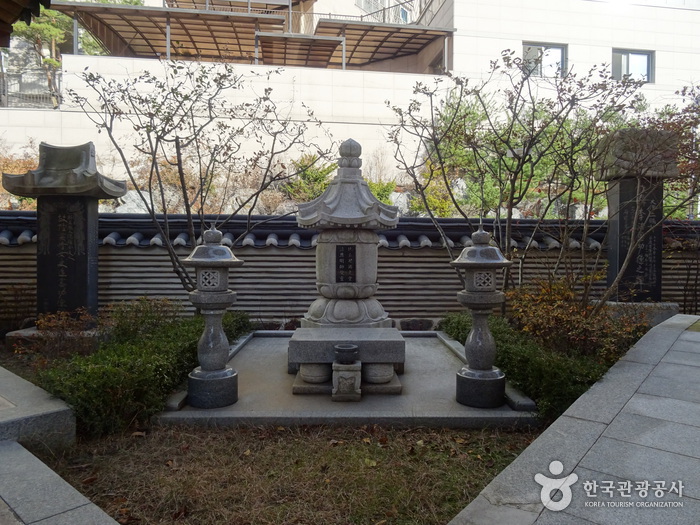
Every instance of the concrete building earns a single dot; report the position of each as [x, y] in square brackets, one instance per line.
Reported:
[346, 59]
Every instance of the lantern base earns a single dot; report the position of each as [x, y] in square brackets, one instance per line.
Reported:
[481, 388]
[212, 389]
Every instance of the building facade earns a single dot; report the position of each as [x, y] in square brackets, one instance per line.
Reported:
[347, 59]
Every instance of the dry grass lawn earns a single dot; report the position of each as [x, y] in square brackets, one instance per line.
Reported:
[309, 475]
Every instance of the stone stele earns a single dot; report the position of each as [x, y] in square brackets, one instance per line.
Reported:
[67, 187]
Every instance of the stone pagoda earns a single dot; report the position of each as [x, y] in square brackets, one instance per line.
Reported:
[347, 314]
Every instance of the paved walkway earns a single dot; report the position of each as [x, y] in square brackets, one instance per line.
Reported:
[639, 424]
[30, 492]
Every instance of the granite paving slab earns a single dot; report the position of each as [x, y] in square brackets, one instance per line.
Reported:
[655, 433]
[607, 397]
[4, 403]
[673, 381]
[664, 408]
[36, 494]
[682, 357]
[31, 415]
[608, 506]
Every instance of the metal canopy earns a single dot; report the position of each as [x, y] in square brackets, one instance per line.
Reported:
[232, 5]
[143, 32]
[367, 43]
[293, 49]
[244, 35]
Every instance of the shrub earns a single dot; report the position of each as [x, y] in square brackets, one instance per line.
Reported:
[60, 335]
[130, 319]
[129, 377]
[313, 177]
[382, 190]
[17, 307]
[554, 380]
[551, 312]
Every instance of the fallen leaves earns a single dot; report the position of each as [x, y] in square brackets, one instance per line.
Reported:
[141, 480]
[89, 480]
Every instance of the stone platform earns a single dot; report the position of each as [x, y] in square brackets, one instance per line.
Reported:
[32, 416]
[30, 492]
[428, 396]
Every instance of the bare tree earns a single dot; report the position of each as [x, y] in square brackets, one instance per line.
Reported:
[515, 137]
[201, 129]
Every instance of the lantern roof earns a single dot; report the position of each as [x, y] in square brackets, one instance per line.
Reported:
[212, 254]
[482, 255]
[64, 171]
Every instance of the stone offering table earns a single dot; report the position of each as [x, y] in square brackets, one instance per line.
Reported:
[347, 215]
[375, 346]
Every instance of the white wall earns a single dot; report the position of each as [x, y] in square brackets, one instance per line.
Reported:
[351, 104]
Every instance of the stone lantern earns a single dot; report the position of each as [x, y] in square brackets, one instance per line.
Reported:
[212, 384]
[479, 383]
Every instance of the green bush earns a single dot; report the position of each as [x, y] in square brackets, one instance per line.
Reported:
[128, 320]
[128, 378]
[312, 179]
[554, 380]
[382, 190]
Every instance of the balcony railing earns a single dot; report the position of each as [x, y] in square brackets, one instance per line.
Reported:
[29, 89]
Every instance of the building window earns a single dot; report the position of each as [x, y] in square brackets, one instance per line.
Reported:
[371, 6]
[639, 65]
[544, 60]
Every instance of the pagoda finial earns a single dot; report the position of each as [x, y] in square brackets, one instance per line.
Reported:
[350, 152]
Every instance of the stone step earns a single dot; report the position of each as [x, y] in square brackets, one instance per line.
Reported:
[31, 415]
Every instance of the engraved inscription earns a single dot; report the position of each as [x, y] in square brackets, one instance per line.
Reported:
[345, 263]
